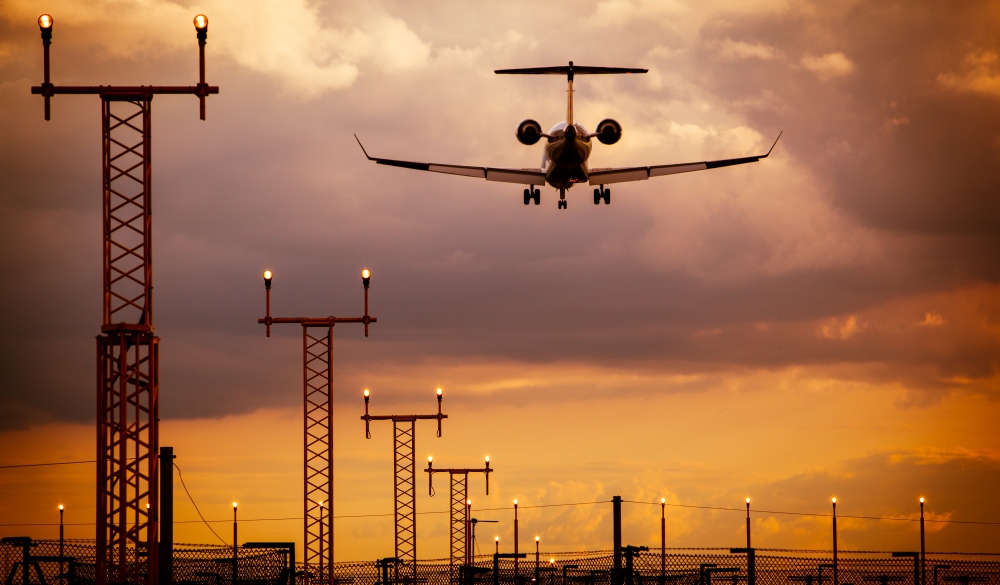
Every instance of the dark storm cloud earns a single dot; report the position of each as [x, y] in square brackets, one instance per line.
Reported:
[903, 148]
[886, 191]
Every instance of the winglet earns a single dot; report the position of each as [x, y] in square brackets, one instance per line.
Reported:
[765, 156]
[366, 152]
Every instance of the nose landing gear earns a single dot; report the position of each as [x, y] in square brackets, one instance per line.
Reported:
[532, 195]
[562, 199]
[600, 194]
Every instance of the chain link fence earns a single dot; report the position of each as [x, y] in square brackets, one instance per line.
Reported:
[24, 561]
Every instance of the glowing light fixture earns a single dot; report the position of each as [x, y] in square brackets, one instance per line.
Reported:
[201, 22]
[45, 22]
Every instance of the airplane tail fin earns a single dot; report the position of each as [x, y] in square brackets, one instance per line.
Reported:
[569, 71]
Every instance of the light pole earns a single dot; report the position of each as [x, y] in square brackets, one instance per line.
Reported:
[62, 571]
[517, 575]
[836, 575]
[457, 516]
[320, 542]
[127, 351]
[235, 564]
[404, 475]
[537, 539]
[663, 538]
[317, 398]
[923, 551]
[497, 551]
[748, 523]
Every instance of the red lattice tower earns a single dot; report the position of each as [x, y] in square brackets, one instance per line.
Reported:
[127, 350]
[459, 509]
[317, 391]
[404, 479]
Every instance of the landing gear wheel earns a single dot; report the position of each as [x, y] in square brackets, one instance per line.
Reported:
[597, 196]
[527, 196]
[562, 204]
[607, 196]
[537, 196]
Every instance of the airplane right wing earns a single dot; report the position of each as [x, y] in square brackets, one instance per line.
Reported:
[520, 176]
[625, 174]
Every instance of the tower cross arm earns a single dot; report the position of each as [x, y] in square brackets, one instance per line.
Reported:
[459, 470]
[49, 89]
[319, 321]
[404, 417]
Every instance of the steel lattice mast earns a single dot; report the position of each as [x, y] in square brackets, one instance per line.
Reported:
[404, 477]
[317, 394]
[458, 510]
[127, 350]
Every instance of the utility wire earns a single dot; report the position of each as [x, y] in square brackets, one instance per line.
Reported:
[693, 506]
[890, 518]
[46, 464]
[181, 477]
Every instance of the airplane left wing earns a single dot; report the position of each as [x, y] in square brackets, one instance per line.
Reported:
[520, 176]
[622, 175]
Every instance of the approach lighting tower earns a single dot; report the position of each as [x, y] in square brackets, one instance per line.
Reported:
[459, 510]
[404, 476]
[128, 378]
[317, 392]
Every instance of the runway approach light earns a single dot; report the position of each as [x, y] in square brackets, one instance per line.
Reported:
[430, 459]
[487, 458]
[366, 277]
[921, 499]
[201, 22]
[834, 500]
[748, 500]
[663, 500]
[234, 505]
[45, 22]
[439, 392]
[60, 507]
[367, 393]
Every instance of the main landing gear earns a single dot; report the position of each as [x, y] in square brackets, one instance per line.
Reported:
[532, 194]
[604, 194]
[562, 198]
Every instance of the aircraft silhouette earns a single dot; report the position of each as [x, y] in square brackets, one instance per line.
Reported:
[567, 150]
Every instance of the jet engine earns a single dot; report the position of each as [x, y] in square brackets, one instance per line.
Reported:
[529, 132]
[609, 131]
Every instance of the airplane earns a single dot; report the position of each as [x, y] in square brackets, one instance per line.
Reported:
[567, 150]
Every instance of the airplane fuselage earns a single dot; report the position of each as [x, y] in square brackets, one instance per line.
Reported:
[566, 154]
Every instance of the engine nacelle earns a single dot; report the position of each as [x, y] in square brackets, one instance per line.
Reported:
[609, 131]
[529, 132]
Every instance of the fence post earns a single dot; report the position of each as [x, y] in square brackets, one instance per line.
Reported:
[616, 503]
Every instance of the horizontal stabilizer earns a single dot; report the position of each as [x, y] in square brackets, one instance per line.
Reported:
[569, 70]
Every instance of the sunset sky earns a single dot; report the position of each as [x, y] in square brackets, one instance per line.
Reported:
[823, 323]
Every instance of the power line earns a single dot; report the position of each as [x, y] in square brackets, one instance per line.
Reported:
[181, 477]
[692, 506]
[817, 515]
[46, 464]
